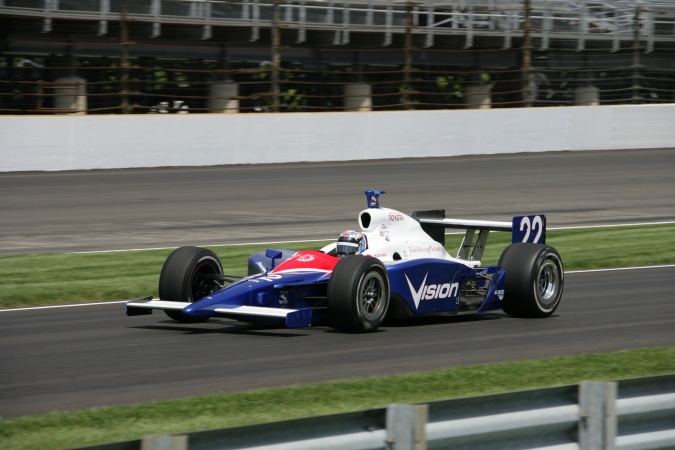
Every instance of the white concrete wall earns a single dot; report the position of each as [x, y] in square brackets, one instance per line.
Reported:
[29, 143]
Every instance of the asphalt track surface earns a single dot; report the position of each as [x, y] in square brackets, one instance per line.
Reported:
[122, 209]
[88, 356]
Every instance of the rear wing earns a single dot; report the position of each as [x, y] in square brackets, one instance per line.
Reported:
[531, 229]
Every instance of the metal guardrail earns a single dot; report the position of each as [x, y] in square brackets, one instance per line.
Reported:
[634, 414]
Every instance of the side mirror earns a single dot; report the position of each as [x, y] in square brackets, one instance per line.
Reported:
[273, 255]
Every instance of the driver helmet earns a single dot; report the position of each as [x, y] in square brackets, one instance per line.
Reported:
[350, 242]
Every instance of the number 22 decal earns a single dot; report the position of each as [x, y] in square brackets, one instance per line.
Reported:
[530, 225]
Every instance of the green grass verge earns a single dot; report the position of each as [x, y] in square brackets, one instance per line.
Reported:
[47, 279]
[104, 425]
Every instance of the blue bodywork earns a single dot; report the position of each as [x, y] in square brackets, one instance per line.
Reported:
[433, 286]
[296, 291]
[426, 285]
[289, 288]
[297, 298]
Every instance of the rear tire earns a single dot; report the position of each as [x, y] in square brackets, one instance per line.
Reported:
[182, 278]
[358, 294]
[534, 280]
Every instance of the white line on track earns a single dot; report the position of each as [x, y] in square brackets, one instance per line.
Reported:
[323, 240]
[204, 245]
[620, 268]
[612, 226]
[32, 308]
[330, 239]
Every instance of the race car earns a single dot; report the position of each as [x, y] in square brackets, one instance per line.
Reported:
[394, 267]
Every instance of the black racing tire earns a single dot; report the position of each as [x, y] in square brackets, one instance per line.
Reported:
[534, 280]
[358, 294]
[181, 280]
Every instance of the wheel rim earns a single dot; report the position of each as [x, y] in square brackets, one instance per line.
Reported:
[548, 281]
[371, 301]
[202, 283]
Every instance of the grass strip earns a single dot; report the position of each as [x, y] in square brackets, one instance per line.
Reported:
[114, 424]
[48, 279]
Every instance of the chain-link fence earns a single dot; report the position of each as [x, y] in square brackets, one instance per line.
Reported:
[227, 56]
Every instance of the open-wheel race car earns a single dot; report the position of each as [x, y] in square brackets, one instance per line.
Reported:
[395, 266]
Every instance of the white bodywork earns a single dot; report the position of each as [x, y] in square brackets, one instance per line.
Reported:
[394, 236]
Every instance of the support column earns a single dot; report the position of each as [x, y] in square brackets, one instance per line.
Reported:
[598, 418]
[222, 97]
[586, 96]
[70, 95]
[478, 97]
[358, 97]
[406, 426]
[165, 442]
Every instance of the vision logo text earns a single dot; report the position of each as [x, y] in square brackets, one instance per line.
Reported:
[432, 291]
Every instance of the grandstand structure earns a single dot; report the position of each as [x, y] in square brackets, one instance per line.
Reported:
[236, 56]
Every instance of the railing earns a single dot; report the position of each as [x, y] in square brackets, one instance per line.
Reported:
[578, 20]
[230, 56]
[625, 415]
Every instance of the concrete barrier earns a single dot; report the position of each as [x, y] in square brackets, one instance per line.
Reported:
[45, 143]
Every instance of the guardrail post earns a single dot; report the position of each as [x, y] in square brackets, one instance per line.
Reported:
[406, 426]
[165, 442]
[597, 424]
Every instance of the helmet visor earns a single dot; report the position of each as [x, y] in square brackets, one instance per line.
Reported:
[346, 248]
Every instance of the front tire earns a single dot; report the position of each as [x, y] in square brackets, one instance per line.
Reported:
[358, 294]
[534, 280]
[185, 278]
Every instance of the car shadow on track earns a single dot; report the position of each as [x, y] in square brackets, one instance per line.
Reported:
[441, 319]
[225, 328]
[455, 320]
[220, 326]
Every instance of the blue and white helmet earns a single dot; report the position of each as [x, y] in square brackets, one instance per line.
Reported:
[350, 242]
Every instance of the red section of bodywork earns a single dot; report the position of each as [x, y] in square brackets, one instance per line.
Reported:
[308, 259]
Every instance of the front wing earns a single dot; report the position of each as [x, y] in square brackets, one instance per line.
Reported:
[291, 318]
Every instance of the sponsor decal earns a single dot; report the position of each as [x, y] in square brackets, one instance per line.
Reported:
[500, 294]
[396, 217]
[432, 291]
[305, 258]
[268, 277]
[429, 249]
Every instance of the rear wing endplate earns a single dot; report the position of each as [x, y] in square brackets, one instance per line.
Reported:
[531, 229]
